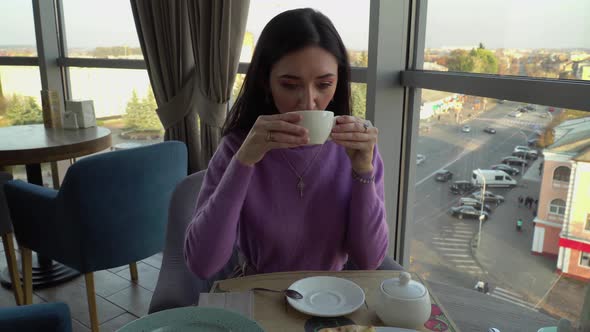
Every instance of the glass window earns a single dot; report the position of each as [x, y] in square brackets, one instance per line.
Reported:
[108, 33]
[447, 249]
[18, 28]
[585, 259]
[587, 227]
[20, 95]
[562, 173]
[557, 206]
[355, 36]
[123, 102]
[525, 38]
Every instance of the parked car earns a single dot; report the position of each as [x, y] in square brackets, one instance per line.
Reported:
[514, 161]
[528, 155]
[525, 152]
[489, 130]
[466, 129]
[522, 109]
[468, 201]
[461, 187]
[533, 141]
[467, 212]
[515, 114]
[443, 175]
[420, 159]
[509, 170]
[488, 197]
[523, 148]
[530, 107]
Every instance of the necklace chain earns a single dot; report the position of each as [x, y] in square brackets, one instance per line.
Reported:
[300, 183]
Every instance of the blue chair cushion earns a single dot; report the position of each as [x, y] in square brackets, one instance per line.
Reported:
[46, 317]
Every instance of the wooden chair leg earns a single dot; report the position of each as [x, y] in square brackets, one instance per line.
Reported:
[133, 271]
[8, 243]
[27, 261]
[89, 277]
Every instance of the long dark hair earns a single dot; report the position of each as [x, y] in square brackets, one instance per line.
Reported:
[287, 32]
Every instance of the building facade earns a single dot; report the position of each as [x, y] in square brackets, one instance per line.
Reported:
[562, 225]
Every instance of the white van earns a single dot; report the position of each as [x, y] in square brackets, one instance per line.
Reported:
[493, 178]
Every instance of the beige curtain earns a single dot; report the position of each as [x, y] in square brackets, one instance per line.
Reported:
[217, 31]
[191, 81]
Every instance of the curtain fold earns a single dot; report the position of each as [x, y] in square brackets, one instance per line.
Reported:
[191, 49]
[217, 31]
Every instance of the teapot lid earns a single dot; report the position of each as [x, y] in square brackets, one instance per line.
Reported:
[403, 287]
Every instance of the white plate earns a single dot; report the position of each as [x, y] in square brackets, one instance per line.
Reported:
[392, 329]
[327, 296]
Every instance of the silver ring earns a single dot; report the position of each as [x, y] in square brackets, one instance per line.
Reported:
[366, 127]
[269, 136]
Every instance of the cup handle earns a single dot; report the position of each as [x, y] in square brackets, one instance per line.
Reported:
[333, 123]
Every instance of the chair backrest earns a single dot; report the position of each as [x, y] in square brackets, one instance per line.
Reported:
[177, 286]
[5, 222]
[115, 204]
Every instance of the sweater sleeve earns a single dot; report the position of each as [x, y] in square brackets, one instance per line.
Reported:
[367, 235]
[211, 235]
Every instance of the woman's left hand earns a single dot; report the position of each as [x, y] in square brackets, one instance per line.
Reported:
[358, 138]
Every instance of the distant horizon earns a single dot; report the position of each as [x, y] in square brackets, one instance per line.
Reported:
[9, 46]
[501, 24]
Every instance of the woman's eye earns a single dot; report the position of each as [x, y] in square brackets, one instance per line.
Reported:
[325, 85]
[289, 86]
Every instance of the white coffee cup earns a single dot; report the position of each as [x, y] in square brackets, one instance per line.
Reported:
[318, 123]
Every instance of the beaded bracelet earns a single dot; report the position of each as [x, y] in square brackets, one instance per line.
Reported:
[361, 179]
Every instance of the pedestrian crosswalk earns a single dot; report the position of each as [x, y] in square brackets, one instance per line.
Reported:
[454, 243]
[512, 297]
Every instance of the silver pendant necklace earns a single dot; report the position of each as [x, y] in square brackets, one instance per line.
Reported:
[300, 183]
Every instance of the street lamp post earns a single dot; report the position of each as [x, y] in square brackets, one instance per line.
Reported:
[482, 195]
[526, 143]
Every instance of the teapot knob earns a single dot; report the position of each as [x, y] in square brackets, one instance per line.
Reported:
[404, 278]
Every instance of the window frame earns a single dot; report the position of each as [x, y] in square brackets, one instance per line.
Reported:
[582, 258]
[558, 207]
[587, 225]
[560, 180]
[394, 79]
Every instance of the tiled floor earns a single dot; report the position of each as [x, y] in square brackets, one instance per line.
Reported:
[118, 300]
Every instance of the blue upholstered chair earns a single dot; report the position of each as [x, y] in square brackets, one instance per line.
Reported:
[46, 317]
[111, 210]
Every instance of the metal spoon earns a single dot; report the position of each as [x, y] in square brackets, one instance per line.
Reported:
[288, 292]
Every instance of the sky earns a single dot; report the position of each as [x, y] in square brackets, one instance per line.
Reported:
[450, 23]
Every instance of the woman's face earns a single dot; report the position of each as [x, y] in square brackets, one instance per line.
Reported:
[304, 80]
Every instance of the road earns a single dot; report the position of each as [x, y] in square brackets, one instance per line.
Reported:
[441, 246]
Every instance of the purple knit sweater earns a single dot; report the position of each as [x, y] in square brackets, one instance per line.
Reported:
[261, 210]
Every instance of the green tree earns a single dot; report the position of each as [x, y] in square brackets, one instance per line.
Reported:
[3, 101]
[477, 60]
[460, 60]
[359, 99]
[141, 114]
[21, 110]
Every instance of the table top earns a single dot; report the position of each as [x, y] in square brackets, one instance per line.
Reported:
[33, 144]
[273, 313]
[466, 309]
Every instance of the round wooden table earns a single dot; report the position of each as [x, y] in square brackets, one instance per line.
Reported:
[31, 145]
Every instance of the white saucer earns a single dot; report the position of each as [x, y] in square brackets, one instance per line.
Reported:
[327, 296]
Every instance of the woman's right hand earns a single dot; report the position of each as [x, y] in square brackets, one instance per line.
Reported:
[277, 131]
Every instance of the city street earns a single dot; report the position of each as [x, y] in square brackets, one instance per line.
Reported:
[443, 246]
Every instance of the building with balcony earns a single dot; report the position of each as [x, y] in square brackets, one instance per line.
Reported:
[562, 225]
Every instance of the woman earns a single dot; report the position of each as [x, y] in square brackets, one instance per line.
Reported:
[287, 205]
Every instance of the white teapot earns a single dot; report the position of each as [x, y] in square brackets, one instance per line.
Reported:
[403, 302]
